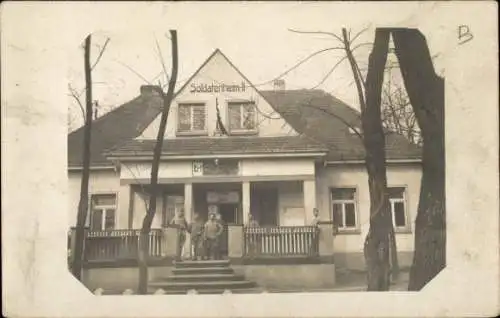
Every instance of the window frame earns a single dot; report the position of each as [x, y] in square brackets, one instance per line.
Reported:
[241, 104]
[191, 132]
[104, 208]
[346, 230]
[404, 200]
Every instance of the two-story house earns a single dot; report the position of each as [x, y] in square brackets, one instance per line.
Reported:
[229, 147]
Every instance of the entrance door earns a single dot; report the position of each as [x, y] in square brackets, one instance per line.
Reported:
[228, 213]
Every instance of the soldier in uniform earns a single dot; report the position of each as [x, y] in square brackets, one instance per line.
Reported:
[179, 222]
[212, 232]
[196, 230]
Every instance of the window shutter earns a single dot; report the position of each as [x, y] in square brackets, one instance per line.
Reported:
[337, 215]
[235, 116]
[198, 117]
[249, 116]
[184, 119]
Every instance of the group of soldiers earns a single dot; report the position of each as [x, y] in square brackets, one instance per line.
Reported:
[205, 236]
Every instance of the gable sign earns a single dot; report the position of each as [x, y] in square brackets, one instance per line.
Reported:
[217, 88]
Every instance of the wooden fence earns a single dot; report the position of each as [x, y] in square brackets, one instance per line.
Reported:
[281, 241]
[120, 244]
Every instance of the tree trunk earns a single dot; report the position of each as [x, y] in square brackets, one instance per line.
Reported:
[78, 257]
[150, 213]
[378, 243]
[426, 92]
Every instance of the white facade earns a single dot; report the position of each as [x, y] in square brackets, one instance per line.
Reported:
[219, 71]
[301, 182]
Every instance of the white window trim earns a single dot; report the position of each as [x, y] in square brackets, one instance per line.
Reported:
[355, 229]
[104, 208]
[404, 200]
[191, 132]
[241, 104]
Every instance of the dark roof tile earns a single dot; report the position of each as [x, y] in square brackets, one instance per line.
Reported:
[321, 120]
[220, 145]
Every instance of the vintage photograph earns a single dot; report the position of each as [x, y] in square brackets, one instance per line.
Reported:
[191, 174]
[250, 159]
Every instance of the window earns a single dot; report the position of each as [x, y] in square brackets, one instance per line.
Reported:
[102, 215]
[344, 208]
[192, 118]
[242, 116]
[398, 207]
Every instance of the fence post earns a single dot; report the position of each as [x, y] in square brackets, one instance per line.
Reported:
[85, 238]
[235, 239]
[325, 240]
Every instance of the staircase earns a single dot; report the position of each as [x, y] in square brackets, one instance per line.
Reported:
[206, 277]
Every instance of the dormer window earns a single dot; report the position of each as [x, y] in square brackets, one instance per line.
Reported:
[192, 119]
[242, 117]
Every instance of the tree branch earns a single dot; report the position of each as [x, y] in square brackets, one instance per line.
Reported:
[349, 125]
[318, 32]
[162, 61]
[73, 93]
[100, 54]
[307, 58]
[133, 71]
[330, 72]
[358, 34]
[355, 71]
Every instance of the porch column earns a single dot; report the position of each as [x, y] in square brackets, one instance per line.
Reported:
[245, 201]
[124, 207]
[309, 189]
[188, 213]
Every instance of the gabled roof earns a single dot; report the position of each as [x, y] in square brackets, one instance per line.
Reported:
[323, 117]
[119, 125]
[320, 118]
[199, 146]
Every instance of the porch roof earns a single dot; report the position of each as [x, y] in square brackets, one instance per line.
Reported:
[220, 146]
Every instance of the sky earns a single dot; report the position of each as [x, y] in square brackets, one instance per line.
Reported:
[257, 39]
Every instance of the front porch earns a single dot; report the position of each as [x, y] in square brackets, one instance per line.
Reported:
[274, 257]
[246, 245]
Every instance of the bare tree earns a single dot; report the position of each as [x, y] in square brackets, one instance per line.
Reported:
[78, 251]
[380, 244]
[378, 241]
[397, 112]
[154, 188]
[426, 91]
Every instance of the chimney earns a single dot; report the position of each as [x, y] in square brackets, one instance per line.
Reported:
[149, 90]
[279, 84]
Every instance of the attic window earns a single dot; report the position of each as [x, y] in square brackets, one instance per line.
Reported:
[191, 118]
[242, 117]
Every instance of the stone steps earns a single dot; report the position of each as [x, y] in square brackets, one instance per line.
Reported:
[202, 270]
[197, 264]
[203, 277]
[199, 285]
[215, 291]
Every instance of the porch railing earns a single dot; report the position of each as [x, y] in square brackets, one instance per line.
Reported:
[281, 241]
[120, 244]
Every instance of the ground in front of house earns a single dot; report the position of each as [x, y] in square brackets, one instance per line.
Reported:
[346, 281]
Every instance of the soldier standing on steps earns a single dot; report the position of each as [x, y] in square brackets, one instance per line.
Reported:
[212, 233]
[179, 221]
[196, 230]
